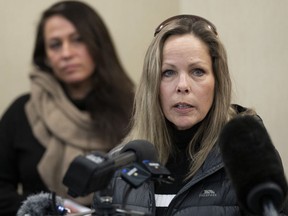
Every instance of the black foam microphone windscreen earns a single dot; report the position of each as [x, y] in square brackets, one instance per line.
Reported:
[42, 204]
[252, 163]
[143, 150]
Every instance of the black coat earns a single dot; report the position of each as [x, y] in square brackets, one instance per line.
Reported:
[20, 153]
[209, 192]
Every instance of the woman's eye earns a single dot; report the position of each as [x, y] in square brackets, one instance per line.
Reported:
[54, 45]
[168, 73]
[77, 38]
[198, 72]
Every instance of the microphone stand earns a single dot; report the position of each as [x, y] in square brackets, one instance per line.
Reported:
[265, 198]
[106, 208]
[269, 208]
[104, 205]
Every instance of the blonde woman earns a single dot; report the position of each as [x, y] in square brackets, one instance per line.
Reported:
[182, 102]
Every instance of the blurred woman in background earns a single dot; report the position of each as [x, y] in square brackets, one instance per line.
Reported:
[80, 101]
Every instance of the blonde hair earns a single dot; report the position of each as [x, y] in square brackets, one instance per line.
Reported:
[149, 121]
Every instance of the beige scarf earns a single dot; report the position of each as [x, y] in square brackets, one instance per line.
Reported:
[61, 128]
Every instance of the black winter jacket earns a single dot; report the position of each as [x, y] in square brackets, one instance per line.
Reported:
[208, 193]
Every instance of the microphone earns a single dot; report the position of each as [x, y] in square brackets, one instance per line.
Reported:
[93, 172]
[253, 165]
[42, 204]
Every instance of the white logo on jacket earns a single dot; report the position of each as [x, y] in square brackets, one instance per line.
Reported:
[207, 193]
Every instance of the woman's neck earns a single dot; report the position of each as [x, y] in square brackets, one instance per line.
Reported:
[181, 138]
[78, 92]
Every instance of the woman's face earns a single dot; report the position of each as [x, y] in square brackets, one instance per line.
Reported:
[187, 81]
[67, 54]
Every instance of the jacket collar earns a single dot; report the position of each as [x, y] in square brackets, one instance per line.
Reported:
[212, 164]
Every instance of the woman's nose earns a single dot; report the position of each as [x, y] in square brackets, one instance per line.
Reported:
[183, 84]
[67, 50]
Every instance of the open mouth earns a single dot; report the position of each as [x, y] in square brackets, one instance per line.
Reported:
[183, 106]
